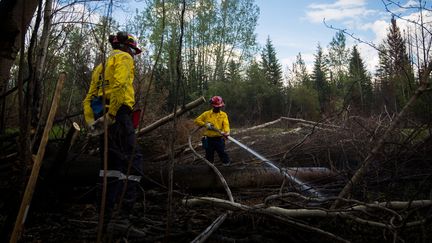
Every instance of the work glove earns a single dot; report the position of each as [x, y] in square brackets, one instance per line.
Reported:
[97, 127]
[209, 126]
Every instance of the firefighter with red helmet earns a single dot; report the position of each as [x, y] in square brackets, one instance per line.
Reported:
[217, 129]
[124, 156]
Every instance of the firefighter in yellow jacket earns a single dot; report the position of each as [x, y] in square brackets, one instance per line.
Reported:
[217, 129]
[117, 85]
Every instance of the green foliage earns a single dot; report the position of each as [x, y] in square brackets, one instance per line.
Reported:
[240, 96]
[233, 73]
[320, 82]
[270, 65]
[78, 66]
[305, 103]
[267, 99]
[217, 34]
[299, 74]
[395, 73]
[303, 92]
[337, 58]
[359, 92]
[217, 58]
[337, 65]
[250, 101]
[422, 109]
[234, 36]
[235, 96]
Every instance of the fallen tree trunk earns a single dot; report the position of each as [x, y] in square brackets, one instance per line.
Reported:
[168, 118]
[207, 201]
[348, 213]
[84, 171]
[317, 125]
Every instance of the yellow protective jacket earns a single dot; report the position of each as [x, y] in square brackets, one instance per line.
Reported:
[219, 121]
[119, 90]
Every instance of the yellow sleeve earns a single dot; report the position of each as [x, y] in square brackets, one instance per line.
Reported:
[123, 64]
[225, 124]
[93, 89]
[201, 120]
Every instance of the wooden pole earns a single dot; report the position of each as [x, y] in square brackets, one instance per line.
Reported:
[28, 194]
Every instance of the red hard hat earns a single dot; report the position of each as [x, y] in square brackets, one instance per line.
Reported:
[216, 101]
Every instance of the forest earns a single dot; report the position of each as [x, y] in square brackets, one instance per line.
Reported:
[339, 153]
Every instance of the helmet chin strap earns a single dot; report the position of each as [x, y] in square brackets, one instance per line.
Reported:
[125, 48]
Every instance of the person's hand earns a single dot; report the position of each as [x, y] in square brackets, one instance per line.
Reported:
[209, 126]
[225, 134]
[97, 127]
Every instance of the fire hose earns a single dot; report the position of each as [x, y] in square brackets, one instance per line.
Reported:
[303, 186]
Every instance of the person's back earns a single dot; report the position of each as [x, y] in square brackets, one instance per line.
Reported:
[115, 87]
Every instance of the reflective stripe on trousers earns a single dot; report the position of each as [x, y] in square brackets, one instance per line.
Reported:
[118, 174]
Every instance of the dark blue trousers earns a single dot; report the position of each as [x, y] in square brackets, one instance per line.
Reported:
[216, 144]
[124, 162]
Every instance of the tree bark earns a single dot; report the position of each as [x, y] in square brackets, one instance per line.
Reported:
[170, 117]
[40, 63]
[14, 15]
[348, 213]
[84, 171]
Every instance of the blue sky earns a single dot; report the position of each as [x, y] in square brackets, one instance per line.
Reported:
[297, 25]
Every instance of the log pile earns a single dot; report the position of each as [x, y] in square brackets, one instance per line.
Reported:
[391, 203]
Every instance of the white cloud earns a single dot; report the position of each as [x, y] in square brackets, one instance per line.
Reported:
[407, 24]
[339, 10]
[379, 28]
[75, 13]
[369, 55]
[334, 14]
[413, 20]
[411, 3]
[340, 4]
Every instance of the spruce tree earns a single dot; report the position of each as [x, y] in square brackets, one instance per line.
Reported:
[395, 73]
[319, 79]
[255, 90]
[270, 64]
[233, 72]
[338, 56]
[360, 84]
